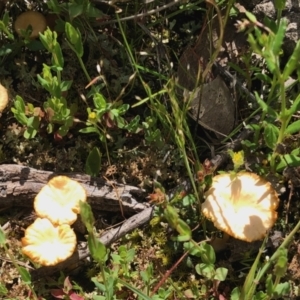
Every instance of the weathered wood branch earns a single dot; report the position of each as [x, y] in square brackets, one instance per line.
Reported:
[19, 185]
[77, 260]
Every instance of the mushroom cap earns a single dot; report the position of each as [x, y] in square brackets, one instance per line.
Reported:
[242, 205]
[3, 97]
[59, 200]
[35, 19]
[47, 244]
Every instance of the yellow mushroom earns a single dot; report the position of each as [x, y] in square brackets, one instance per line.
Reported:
[47, 244]
[242, 205]
[31, 18]
[3, 98]
[58, 201]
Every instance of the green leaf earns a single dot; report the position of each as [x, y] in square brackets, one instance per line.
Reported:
[93, 12]
[6, 19]
[171, 215]
[271, 59]
[178, 224]
[3, 290]
[265, 107]
[293, 128]
[120, 122]
[21, 117]
[65, 85]
[87, 216]
[251, 17]
[134, 289]
[29, 133]
[208, 255]
[99, 101]
[282, 289]
[71, 33]
[93, 162]
[288, 160]
[20, 104]
[206, 270]
[123, 108]
[221, 274]
[147, 274]
[97, 249]
[294, 107]
[74, 37]
[111, 282]
[96, 297]
[278, 40]
[25, 275]
[54, 6]
[235, 294]
[90, 129]
[271, 133]
[133, 125]
[98, 285]
[50, 128]
[127, 255]
[193, 249]
[282, 263]
[188, 200]
[63, 130]
[263, 77]
[2, 237]
[184, 231]
[75, 10]
[293, 63]
[269, 285]
[57, 55]
[260, 296]
[33, 122]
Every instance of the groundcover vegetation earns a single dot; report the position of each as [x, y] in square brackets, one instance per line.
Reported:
[149, 150]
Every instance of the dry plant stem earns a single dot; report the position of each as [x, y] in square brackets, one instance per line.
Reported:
[168, 273]
[220, 41]
[222, 25]
[77, 260]
[288, 205]
[141, 15]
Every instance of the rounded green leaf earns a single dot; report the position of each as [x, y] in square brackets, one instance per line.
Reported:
[93, 162]
[221, 274]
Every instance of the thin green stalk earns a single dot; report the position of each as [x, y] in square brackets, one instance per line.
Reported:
[104, 281]
[56, 62]
[83, 68]
[250, 283]
[161, 92]
[284, 119]
[273, 258]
